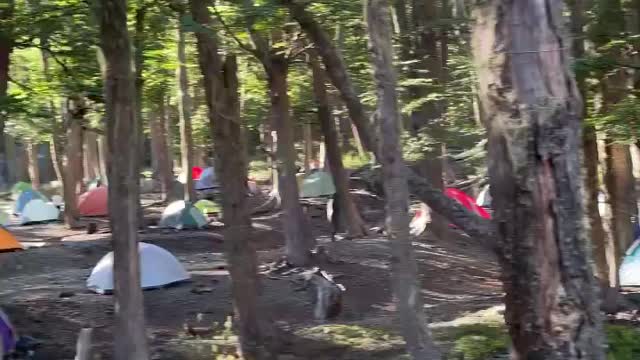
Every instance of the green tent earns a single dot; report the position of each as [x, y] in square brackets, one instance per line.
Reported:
[19, 187]
[182, 215]
[207, 206]
[316, 184]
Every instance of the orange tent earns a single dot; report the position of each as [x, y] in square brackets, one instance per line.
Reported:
[94, 202]
[8, 242]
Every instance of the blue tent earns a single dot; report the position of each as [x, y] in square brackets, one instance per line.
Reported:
[630, 267]
[24, 198]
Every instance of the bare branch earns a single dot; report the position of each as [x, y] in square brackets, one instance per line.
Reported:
[230, 32]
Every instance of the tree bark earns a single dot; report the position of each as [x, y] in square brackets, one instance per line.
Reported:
[70, 167]
[299, 241]
[6, 47]
[534, 125]
[222, 98]
[138, 44]
[124, 184]
[308, 146]
[350, 217]
[184, 103]
[92, 166]
[164, 166]
[34, 168]
[404, 270]
[75, 152]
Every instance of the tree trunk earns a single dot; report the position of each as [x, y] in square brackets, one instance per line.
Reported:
[600, 241]
[164, 167]
[350, 217]
[221, 91]
[124, 184]
[618, 179]
[404, 270]
[6, 47]
[103, 153]
[299, 241]
[184, 103]
[34, 168]
[138, 44]
[308, 146]
[534, 125]
[70, 167]
[75, 153]
[91, 154]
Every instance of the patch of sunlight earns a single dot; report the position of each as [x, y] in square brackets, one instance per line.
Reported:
[259, 170]
[354, 336]
[489, 316]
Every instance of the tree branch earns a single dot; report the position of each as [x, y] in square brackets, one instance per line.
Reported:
[230, 32]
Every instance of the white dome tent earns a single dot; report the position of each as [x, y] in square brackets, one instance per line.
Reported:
[158, 268]
[37, 211]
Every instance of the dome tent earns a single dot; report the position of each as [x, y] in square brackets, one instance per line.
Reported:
[24, 198]
[37, 211]
[207, 206]
[207, 180]
[8, 242]
[19, 187]
[94, 202]
[158, 268]
[182, 215]
[316, 184]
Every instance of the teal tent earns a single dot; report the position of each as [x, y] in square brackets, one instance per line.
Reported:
[317, 184]
[182, 215]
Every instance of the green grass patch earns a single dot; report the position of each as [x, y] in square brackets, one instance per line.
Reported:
[259, 171]
[354, 336]
[622, 342]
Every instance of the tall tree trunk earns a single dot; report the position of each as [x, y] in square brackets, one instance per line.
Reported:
[221, 91]
[91, 154]
[6, 47]
[350, 217]
[124, 184]
[164, 166]
[404, 270]
[70, 166]
[308, 146]
[534, 125]
[75, 134]
[299, 240]
[138, 44]
[34, 168]
[103, 153]
[599, 239]
[184, 103]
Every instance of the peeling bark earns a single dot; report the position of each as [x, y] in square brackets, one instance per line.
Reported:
[533, 118]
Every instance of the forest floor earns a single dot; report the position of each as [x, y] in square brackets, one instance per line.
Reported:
[43, 291]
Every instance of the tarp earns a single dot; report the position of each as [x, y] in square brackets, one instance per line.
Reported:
[484, 198]
[182, 215]
[8, 242]
[37, 210]
[466, 201]
[207, 206]
[19, 187]
[207, 179]
[316, 184]
[24, 198]
[196, 172]
[94, 202]
[158, 267]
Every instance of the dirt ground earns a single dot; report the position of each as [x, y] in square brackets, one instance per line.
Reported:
[43, 290]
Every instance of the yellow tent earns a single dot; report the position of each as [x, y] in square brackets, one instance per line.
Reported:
[8, 242]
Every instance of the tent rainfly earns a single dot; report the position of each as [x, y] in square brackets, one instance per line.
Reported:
[8, 242]
[158, 268]
[182, 215]
[19, 187]
[94, 202]
[207, 179]
[317, 184]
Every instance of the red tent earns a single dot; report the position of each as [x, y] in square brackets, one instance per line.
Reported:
[467, 201]
[94, 202]
[196, 172]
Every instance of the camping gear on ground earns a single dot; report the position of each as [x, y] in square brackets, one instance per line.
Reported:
[196, 172]
[8, 242]
[420, 219]
[8, 335]
[466, 201]
[24, 198]
[182, 215]
[207, 206]
[317, 184]
[158, 268]
[37, 210]
[19, 187]
[207, 180]
[94, 202]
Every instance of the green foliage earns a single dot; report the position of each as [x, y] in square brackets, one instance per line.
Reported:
[622, 342]
[353, 160]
